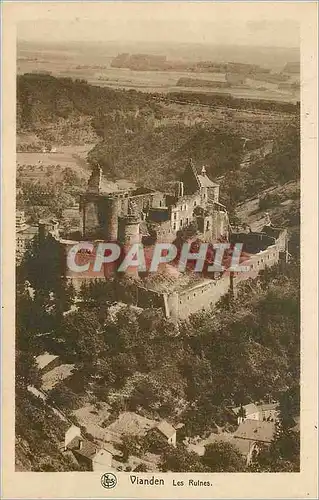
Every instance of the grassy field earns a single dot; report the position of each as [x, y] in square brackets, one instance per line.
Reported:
[98, 71]
[36, 166]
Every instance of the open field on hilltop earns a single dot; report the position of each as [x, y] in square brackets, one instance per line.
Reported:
[68, 156]
[95, 67]
[36, 166]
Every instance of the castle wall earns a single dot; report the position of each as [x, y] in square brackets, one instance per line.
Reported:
[214, 226]
[91, 223]
[171, 304]
[128, 230]
[220, 224]
[139, 296]
[164, 232]
[258, 262]
[282, 241]
[202, 296]
[149, 200]
[182, 211]
[213, 194]
[110, 214]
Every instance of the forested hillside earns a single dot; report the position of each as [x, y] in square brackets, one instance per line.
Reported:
[243, 352]
[149, 138]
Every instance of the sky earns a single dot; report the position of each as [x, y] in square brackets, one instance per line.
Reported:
[232, 23]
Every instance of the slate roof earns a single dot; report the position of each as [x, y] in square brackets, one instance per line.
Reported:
[44, 359]
[88, 449]
[166, 429]
[205, 181]
[256, 430]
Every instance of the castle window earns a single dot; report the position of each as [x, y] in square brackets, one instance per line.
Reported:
[187, 221]
[175, 214]
[207, 225]
[195, 203]
[174, 226]
[181, 222]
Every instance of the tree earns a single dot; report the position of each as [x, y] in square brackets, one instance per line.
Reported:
[141, 468]
[97, 293]
[81, 332]
[283, 454]
[241, 412]
[154, 442]
[289, 406]
[223, 457]
[64, 296]
[36, 423]
[179, 459]
[26, 369]
[63, 397]
[130, 445]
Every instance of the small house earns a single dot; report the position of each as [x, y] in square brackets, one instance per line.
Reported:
[47, 362]
[86, 452]
[251, 434]
[247, 412]
[167, 431]
[269, 411]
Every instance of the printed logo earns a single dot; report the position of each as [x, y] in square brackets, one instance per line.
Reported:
[108, 480]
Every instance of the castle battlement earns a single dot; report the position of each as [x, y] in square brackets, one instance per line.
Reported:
[101, 212]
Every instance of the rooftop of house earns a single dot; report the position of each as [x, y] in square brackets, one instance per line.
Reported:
[256, 430]
[249, 409]
[130, 423]
[87, 450]
[45, 359]
[27, 230]
[166, 429]
[268, 406]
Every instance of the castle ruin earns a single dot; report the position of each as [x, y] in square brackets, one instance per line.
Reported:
[150, 216]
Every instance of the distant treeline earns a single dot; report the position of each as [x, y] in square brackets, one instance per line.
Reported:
[227, 100]
[44, 97]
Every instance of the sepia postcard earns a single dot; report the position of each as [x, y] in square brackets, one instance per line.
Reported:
[159, 250]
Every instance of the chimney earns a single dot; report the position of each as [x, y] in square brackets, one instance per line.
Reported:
[180, 189]
[204, 170]
[80, 444]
